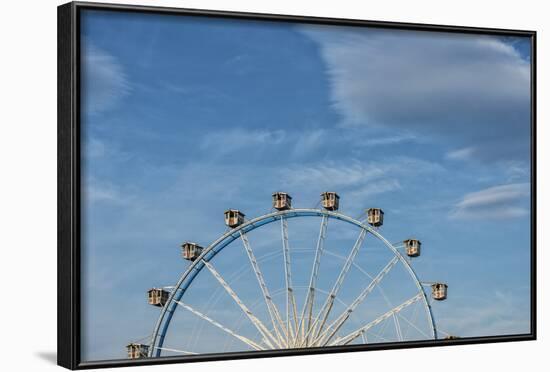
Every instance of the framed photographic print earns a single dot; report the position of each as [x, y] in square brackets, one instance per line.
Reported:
[237, 185]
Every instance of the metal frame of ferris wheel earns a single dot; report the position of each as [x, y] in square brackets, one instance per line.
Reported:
[288, 330]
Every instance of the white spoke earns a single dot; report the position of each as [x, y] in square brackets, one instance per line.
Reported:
[255, 321]
[176, 350]
[292, 331]
[327, 306]
[414, 318]
[271, 308]
[353, 335]
[220, 326]
[340, 320]
[411, 324]
[310, 297]
[383, 339]
[397, 328]
[383, 330]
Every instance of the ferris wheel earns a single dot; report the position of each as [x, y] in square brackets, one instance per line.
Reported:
[295, 291]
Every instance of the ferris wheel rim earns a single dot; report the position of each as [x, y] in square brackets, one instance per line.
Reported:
[159, 333]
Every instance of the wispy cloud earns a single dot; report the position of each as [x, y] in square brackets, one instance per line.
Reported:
[106, 151]
[516, 170]
[497, 313]
[355, 171]
[460, 154]
[389, 140]
[498, 202]
[309, 141]
[334, 174]
[358, 180]
[96, 191]
[228, 141]
[104, 80]
[460, 87]
[373, 188]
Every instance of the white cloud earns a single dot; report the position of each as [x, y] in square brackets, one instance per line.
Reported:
[515, 170]
[357, 180]
[228, 141]
[389, 140]
[461, 87]
[460, 154]
[498, 202]
[107, 151]
[309, 141]
[373, 188]
[104, 80]
[355, 171]
[95, 191]
[498, 313]
[334, 174]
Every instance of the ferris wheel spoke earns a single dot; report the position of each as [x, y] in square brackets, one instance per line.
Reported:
[397, 327]
[342, 318]
[292, 330]
[378, 336]
[310, 297]
[414, 318]
[176, 350]
[275, 316]
[255, 321]
[364, 337]
[327, 306]
[244, 339]
[411, 324]
[353, 335]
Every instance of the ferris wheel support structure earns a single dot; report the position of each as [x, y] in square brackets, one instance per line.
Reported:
[282, 334]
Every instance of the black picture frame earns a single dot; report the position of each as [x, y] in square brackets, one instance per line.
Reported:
[69, 198]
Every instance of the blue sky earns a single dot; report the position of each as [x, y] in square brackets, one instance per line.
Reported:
[184, 117]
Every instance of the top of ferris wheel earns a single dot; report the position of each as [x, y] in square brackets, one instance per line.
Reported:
[330, 201]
